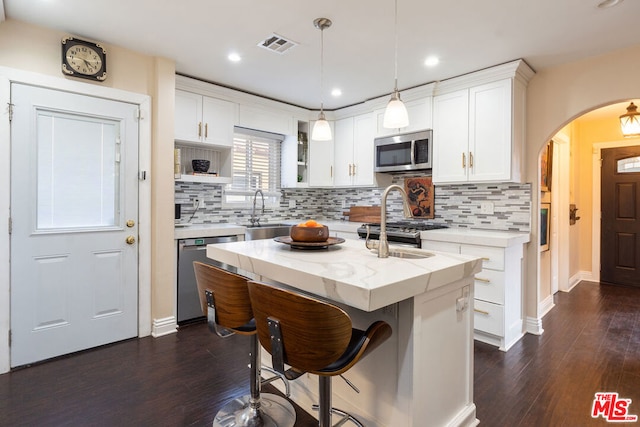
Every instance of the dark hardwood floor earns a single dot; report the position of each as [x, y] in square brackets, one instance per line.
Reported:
[591, 343]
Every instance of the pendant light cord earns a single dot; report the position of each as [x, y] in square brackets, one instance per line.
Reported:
[395, 25]
[321, 70]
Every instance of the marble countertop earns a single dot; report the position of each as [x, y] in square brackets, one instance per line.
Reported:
[347, 273]
[469, 236]
[207, 230]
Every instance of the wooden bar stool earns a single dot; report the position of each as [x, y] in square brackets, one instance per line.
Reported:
[311, 335]
[225, 300]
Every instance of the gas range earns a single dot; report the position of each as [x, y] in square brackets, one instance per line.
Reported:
[399, 232]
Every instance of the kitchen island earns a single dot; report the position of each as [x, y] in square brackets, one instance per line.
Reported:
[423, 375]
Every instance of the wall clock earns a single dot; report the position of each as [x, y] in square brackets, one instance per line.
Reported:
[81, 58]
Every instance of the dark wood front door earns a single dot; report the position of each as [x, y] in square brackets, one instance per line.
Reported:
[620, 216]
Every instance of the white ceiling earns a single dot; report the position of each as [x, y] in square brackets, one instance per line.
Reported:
[466, 35]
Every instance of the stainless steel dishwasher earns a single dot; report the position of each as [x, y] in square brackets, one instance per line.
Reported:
[190, 250]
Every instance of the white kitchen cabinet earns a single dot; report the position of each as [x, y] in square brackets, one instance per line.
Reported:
[353, 151]
[498, 310]
[420, 117]
[474, 134]
[450, 137]
[204, 120]
[321, 160]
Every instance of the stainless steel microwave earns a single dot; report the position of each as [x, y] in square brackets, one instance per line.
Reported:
[404, 152]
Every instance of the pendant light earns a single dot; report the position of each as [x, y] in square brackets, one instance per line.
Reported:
[321, 129]
[630, 122]
[395, 116]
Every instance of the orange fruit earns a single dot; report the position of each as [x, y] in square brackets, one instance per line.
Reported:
[302, 224]
[311, 223]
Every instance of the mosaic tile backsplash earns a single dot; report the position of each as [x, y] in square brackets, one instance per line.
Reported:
[455, 205]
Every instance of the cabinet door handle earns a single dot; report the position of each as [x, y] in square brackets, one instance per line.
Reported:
[350, 169]
[331, 171]
[464, 161]
[486, 259]
[206, 130]
[481, 311]
[199, 129]
[480, 279]
[354, 169]
[470, 159]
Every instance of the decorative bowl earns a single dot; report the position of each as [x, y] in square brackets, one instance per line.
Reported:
[200, 165]
[309, 234]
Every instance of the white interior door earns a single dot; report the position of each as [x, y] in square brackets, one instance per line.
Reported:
[74, 202]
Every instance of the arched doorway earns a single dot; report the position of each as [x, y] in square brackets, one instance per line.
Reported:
[574, 246]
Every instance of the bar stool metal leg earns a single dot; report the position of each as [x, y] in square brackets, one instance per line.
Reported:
[325, 409]
[256, 409]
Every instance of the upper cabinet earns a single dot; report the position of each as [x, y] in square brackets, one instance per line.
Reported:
[321, 159]
[478, 131]
[353, 151]
[419, 111]
[204, 120]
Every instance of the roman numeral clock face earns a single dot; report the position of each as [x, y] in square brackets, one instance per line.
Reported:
[83, 59]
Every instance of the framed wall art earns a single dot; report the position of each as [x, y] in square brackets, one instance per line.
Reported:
[420, 194]
[546, 163]
[545, 222]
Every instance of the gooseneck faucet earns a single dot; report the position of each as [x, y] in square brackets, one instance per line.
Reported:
[383, 244]
[256, 219]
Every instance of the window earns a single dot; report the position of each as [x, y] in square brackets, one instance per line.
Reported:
[256, 166]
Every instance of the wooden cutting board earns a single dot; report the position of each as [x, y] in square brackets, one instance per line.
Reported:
[363, 214]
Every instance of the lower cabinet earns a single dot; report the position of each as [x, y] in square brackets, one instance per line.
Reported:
[498, 311]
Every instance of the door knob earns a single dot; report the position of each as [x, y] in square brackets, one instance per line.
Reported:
[130, 240]
[131, 223]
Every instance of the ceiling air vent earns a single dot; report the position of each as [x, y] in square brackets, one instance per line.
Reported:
[276, 43]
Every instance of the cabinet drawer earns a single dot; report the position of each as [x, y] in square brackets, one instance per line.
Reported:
[492, 258]
[488, 317]
[489, 286]
[432, 245]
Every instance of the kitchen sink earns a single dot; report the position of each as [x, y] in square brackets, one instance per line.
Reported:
[266, 231]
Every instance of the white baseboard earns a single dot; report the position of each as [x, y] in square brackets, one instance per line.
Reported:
[534, 325]
[164, 326]
[545, 306]
[578, 277]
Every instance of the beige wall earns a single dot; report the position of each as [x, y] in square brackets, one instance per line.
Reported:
[554, 98]
[31, 48]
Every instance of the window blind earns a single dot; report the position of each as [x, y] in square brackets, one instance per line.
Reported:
[256, 165]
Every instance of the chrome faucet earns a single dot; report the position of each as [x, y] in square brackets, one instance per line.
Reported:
[383, 244]
[256, 219]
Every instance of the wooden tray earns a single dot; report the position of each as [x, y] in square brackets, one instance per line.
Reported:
[309, 245]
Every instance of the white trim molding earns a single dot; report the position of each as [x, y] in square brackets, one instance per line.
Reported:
[533, 325]
[164, 326]
[546, 306]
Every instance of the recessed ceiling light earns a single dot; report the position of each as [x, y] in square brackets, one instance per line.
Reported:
[234, 57]
[431, 61]
[336, 92]
[608, 3]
